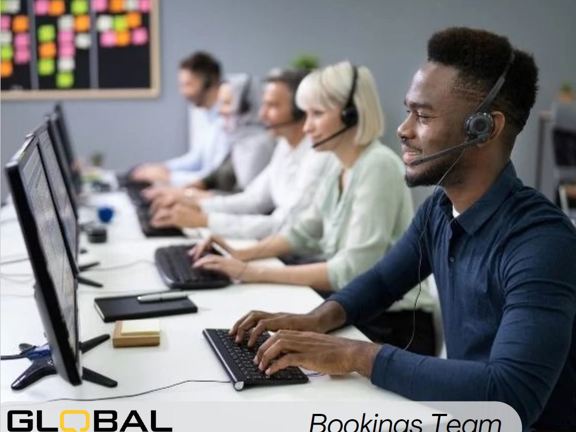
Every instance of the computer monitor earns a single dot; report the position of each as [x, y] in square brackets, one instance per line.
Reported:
[55, 290]
[54, 133]
[65, 212]
[69, 152]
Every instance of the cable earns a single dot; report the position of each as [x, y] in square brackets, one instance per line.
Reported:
[14, 261]
[140, 393]
[123, 266]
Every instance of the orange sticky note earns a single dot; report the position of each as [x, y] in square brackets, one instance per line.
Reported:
[56, 8]
[116, 6]
[134, 19]
[20, 24]
[123, 38]
[6, 69]
[47, 50]
[82, 23]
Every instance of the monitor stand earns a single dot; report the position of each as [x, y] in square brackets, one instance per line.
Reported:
[44, 366]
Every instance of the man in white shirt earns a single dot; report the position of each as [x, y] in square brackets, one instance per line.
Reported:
[199, 79]
[280, 192]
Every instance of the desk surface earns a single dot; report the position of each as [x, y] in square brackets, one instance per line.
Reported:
[183, 354]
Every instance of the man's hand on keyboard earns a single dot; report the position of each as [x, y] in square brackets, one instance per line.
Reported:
[180, 216]
[318, 352]
[257, 322]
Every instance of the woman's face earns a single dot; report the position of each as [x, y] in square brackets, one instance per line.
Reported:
[321, 123]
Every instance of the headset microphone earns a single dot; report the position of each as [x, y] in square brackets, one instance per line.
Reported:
[442, 153]
[281, 124]
[334, 135]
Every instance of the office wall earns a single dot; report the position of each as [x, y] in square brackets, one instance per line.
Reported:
[389, 36]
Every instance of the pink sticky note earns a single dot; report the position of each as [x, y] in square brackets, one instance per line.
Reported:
[140, 36]
[108, 39]
[67, 49]
[22, 40]
[22, 56]
[5, 23]
[99, 5]
[41, 7]
[65, 37]
[144, 5]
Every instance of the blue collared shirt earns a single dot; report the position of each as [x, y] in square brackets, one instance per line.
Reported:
[506, 276]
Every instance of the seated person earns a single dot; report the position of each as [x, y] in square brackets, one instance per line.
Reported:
[199, 79]
[502, 255]
[251, 146]
[281, 191]
[362, 206]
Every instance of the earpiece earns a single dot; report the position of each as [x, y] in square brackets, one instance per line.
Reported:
[349, 114]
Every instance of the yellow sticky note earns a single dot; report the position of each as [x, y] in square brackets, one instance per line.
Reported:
[120, 23]
[46, 33]
[6, 52]
[79, 7]
[45, 66]
[64, 80]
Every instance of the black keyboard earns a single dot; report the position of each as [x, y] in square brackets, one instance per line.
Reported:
[175, 267]
[238, 362]
[143, 214]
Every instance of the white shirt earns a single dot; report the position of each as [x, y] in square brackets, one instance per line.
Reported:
[208, 143]
[282, 190]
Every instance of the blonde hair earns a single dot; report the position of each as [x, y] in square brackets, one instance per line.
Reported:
[330, 88]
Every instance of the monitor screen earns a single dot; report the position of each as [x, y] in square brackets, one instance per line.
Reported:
[65, 212]
[68, 148]
[55, 290]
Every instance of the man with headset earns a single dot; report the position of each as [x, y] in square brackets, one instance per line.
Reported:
[501, 254]
[199, 79]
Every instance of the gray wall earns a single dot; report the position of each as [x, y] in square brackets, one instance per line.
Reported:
[389, 36]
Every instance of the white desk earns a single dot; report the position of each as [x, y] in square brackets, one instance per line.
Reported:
[183, 353]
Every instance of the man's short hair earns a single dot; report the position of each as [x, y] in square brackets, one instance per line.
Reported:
[292, 79]
[481, 57]
[203, 64]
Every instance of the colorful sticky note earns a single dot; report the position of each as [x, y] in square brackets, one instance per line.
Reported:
[46, 33]
[56, 8]
[65, 37]
[140, 36]
[12, 6]
[6, 37]
[20, 24]
[104, 23]
[41, 7]
[5, 69]
[22, 55]
[6, 52]
[83, 41]
[99, 5]
[5, 22]
[116, 5]
[22, 40]
[66, 64]
[131, 5]
[45, 67]
[66, 22]
[79, 7]
[108, 39]
[120, 23]
[82, 23]
[47, 50]
[144, 5]
[134, 19]
[123, 38]
[66, 50]
[64, 80]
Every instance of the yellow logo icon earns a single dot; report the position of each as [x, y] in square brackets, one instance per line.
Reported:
[84, 413]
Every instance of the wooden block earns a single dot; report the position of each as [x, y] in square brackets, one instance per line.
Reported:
[133, 333]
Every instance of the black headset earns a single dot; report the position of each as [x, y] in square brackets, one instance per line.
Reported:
[349, 114]
[481, 123]
[244, 105]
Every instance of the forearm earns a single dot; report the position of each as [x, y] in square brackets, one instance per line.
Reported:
[273, 246]
[312, 275]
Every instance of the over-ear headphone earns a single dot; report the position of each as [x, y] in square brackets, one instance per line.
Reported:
[480, 123]
[244, 103]
[349, 114]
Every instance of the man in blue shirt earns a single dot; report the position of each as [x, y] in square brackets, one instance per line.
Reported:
[504, 258]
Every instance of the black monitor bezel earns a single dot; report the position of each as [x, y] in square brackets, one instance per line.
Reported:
[67, 146]
[67, 361]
